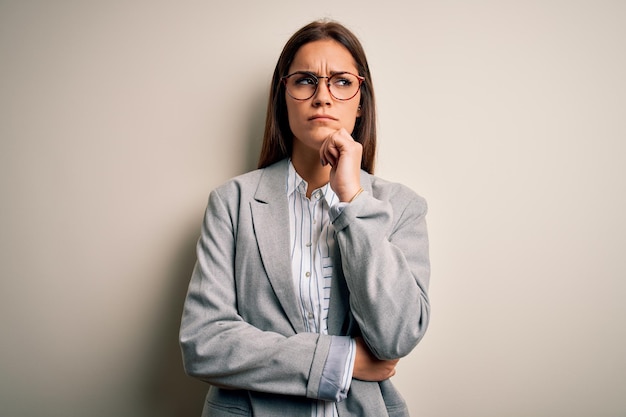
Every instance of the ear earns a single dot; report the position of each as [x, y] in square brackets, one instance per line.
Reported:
[358, 111]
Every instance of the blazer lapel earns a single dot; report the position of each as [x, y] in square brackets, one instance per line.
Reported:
[270, 217]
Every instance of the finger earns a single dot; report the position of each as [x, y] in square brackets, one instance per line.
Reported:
[327, 157]
[343, 133]
[340, 140]
[328, 151]
[332, 155]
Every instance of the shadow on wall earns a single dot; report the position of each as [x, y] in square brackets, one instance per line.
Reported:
[168, 390]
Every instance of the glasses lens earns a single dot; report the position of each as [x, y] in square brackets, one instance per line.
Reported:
[301, 86]
[344, 86]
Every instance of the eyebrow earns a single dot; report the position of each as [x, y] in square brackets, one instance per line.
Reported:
[317, 75]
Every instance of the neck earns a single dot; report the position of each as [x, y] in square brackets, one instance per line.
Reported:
[308, 166]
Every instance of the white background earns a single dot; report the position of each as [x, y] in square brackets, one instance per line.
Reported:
[118, 117]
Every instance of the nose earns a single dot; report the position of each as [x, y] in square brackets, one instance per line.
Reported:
[322, 94]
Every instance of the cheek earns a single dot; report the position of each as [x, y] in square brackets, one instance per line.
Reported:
[296, 112]
[350, 117]
[291, 116]
[290, 110]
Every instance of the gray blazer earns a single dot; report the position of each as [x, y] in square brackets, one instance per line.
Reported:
[241, 328]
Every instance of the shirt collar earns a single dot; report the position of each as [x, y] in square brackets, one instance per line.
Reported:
[296, 183]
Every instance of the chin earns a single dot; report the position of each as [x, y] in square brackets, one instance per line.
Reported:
[322, 133]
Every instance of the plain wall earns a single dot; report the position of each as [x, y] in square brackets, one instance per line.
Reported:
[118, 117]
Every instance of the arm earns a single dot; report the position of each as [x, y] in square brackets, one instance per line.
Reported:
[219, 346]
[384, 251]
[384, 248]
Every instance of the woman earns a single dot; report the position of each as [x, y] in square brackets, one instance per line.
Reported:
[312, 274]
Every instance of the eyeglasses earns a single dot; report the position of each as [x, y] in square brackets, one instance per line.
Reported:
[302, 85]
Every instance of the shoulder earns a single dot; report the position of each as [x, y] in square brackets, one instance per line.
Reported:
[246, 185]
[398, 195]
[240, 184]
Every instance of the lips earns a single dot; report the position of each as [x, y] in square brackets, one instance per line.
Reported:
[322, 117]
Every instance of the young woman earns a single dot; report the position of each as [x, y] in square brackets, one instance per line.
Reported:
[312, 274]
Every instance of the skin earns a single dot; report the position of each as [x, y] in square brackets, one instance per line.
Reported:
[324, 151]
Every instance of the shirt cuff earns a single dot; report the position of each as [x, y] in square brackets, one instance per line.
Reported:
[337, 372]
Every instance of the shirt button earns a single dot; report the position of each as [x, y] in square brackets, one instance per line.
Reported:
[310, 315]
[308, 274]
[308, 245]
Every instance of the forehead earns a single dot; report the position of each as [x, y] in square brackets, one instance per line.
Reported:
[322, 55]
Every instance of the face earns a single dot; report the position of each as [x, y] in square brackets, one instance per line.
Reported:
[313, 120]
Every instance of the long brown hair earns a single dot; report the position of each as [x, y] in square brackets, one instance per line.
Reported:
[278, 138]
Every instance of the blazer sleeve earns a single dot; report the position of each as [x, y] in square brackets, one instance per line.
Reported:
[384, 253]
[221, 348]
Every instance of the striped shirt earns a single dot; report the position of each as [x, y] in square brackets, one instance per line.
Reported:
[312, 240]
